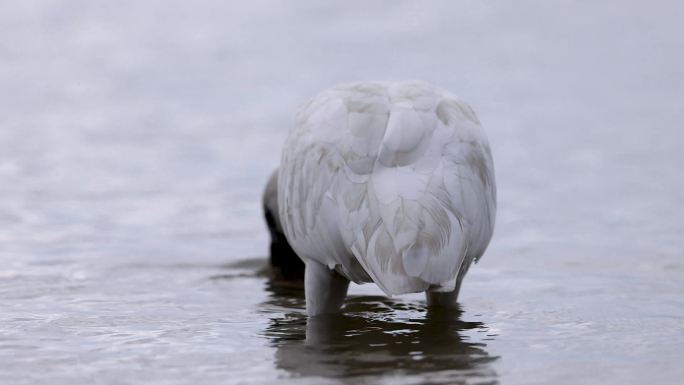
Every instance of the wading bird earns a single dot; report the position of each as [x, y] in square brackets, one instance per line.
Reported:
[384, 182]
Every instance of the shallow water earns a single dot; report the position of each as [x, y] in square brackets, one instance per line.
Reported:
[135, 140]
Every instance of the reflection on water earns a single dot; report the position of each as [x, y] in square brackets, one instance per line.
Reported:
[375, 336]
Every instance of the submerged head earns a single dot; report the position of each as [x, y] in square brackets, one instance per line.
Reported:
[284, 261]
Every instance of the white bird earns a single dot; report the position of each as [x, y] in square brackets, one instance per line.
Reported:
[385, 182]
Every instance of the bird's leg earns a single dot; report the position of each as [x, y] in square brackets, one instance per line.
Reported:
[448, 299]
[442, 299]
[324, 288]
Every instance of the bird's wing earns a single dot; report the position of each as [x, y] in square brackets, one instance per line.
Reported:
[397, 178]
[431, 194]
[324, 170]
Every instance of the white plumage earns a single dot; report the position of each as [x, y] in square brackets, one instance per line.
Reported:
[386, 182]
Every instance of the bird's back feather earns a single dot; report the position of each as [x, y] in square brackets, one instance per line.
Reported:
[388, 182]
